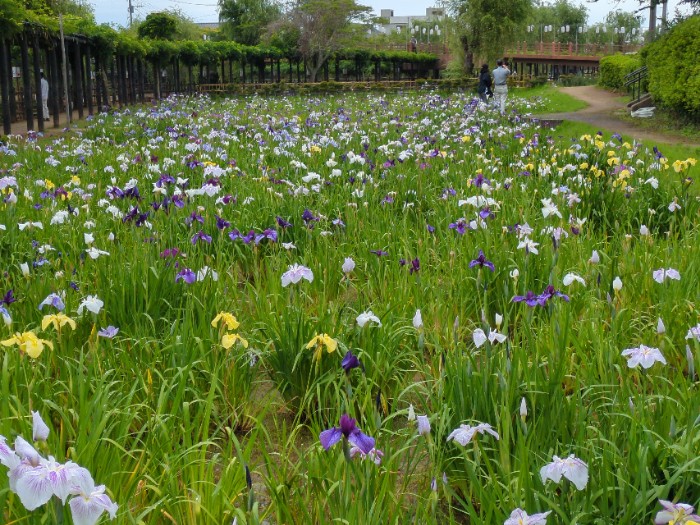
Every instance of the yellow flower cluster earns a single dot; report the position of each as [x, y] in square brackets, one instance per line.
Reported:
[683, 165]
[229, 322]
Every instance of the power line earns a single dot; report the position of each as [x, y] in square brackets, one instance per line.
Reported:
[193, 3]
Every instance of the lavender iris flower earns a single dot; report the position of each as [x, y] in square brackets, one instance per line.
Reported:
[350, 432]
[55, 300]
[460, 226]
[482, 262]
[379, 253]
[186, 275]
[269, 234]
[108, 332]
[529, 299]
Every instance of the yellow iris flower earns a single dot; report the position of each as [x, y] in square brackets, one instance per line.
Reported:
[228, 340]
[319, 341]
[57, 320]
[229, 319]
[28, 343]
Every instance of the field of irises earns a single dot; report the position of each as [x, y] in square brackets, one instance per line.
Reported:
[367, 309]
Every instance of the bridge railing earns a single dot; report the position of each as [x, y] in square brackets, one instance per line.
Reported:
[569, 49]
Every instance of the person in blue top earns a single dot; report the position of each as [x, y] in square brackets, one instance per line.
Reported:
[500, 89]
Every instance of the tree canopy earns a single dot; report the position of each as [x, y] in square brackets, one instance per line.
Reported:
[244, 21]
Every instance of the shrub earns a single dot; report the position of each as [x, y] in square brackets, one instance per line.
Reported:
[674, 70]
[614, 68]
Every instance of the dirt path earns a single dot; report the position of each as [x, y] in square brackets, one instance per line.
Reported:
[603, 109]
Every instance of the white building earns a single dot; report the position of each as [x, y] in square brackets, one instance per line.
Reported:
[401, 24]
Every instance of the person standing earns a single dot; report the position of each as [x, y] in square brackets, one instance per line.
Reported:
[484, 88]
[44, 97]
[500, 90]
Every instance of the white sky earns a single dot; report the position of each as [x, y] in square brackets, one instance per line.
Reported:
[116, 11]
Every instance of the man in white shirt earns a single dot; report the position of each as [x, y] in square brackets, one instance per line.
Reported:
[44, 97]
[500, 90]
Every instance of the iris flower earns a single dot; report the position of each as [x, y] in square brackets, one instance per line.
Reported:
[54, 300]
[661, 274]
[28, 343]
[571, 468]
[228, 340]
[89, 502]
[520, 517]
[643, 355]
[228, 319]
[58, 321]
[366, 317]
[296, 273]
[482, 262]
[348, 430]
[319, 341]
[186, 275]
[92, 303]
[350, 361]
[109, 333]
[676, 514]
[465, 433]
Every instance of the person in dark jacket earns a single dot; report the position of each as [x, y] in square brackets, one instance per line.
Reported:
[484, 88]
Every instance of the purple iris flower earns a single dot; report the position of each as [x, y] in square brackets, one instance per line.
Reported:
[250, 237]
[132, 214]
[108, 332]
[133, 193]
[308, 217]
[482, 262]
[350, 361]
[431, 229]
[141, 219]
[657, 153]
[234, 234]
[194, 216]
[479, 180]
[201, 236]
[387, 200]
[349, 431]
[415, 266]
[222, 223]
[169, 252]
[178, 201]
[550, 292]
[186, 275]
[460, 226]
[9, 298]
[338, 222]
[269, 234]
[402, 262]
[379, 253]
[115, 193]
[529, 299]
[55, 300]
[282, 223]
[486, 213]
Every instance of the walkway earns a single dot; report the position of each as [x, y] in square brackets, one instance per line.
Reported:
[603, 111]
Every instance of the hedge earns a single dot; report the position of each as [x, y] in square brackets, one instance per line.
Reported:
[613, 69]
[673, 62]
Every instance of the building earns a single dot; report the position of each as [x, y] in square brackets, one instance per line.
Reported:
[414, 23]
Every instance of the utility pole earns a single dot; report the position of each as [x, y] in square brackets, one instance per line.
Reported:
[131, 13]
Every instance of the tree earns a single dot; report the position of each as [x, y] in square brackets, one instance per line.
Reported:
[244, 21]
[488, 26]
[158, 26]
[323, 26]
[618, 19]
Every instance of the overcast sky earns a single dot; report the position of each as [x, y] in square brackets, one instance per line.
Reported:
[116, 11]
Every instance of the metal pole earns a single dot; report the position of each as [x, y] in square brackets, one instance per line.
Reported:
[65, 69]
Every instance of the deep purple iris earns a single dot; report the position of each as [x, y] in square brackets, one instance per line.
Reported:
[550, 293]
[194, 216]
[379, 253]
[349, 431]
[282, 223]
[482, 262]
[479, 180]
[308, 217]
[350, 361]
[460, 226]
[9, 298]
[222, 223]
[415, 266]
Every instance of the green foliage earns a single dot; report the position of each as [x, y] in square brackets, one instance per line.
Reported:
[245, 20]
[158, 26]
[673, 62]
[613, 69]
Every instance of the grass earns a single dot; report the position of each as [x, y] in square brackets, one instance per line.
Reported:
[185, 421]
[553, 99]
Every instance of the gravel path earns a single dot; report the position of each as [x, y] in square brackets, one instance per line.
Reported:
[601, 111]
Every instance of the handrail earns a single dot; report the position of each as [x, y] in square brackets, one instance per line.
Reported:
[634, 79]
